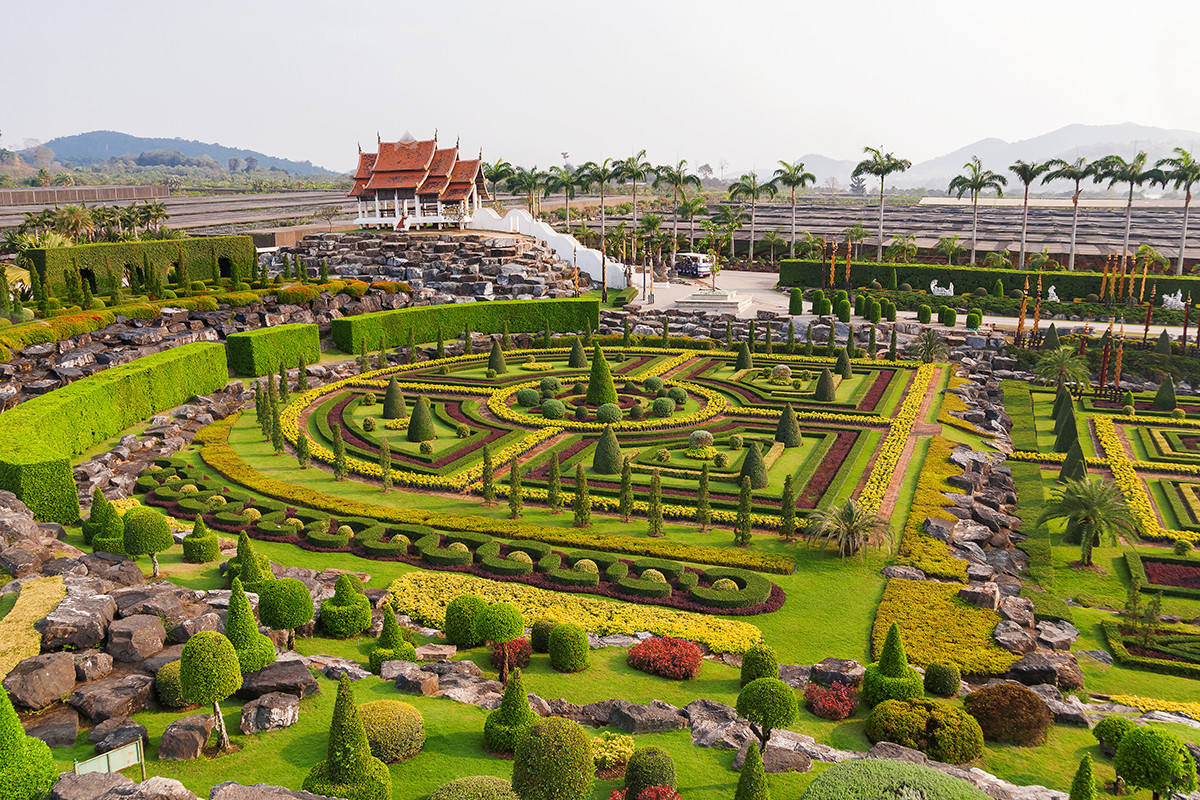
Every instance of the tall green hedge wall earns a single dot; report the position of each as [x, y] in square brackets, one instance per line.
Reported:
[39, 437]
[108, 262]
[255, 353]
[522, 316]
[1069, 285]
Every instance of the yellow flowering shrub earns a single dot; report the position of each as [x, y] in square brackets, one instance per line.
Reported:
[19, 640]
[1150, 704]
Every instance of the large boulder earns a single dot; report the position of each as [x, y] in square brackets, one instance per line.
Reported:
[22, 562]
[291, 677]
[1013, 638]
[1018, 610]
[837, 670]
[409, 677]
[156, 788]
[112, 697]
[92, 665]
[258, 791]
[87, 787]
[184, 739]
[780, 755]
[39, 681]
[1033, 669]
[135, 638]
[57, 728]
[117, 727]
[1057, 635]
[716, 725]
[116, 569]
[655, 717]
[985, 595]
[271, 712]
[78, 622]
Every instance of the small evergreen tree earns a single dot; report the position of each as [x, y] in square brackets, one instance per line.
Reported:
[147, 533]
[849, 344]
[871, 346]
[744, 359]
[843, 365]
[209, 673]
[754, 467]
[826, 389]
[276, 430]
[1051, 343]
[303, 450]
[788, 429]
[1164, 398]
[1163, 345]
[1068, 433]
[654, 507]
[892, 346]
[600, 388]
[496, 360]
[1074, 467]
[515, 499]
[349, 770]
[1061, 400]
[582, 505]
[420, 425]
[546, 339]
[103, 522]
[741, 527]
[254, 650]
[505, 341]
[787, 511]
[768, 337]
[468, 340]
[302, 376]
[626, 337]
[1083, 787]
[577, 359]
[703, 511]
[341, 469]
[808, 340]
[606, 459]
[506, 725]
[554, 485]
[666, 336]
[752, 782]
[752, 337]
[791, 337]
[284, 389]
[728, 335]
[385, 464]
[324, 271]
[796, 301]
[394, 406]
[487, 480]
[625, 504]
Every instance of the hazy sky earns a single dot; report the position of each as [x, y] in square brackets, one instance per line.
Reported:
[750, 82]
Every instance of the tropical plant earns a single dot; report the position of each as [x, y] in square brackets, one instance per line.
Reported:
[499, 170]
[678, 179]
[1000, 259]
[772, 241]
[1026, 172]
[1077, 171]
[880, 165]
[949, 247]
[1181, 171]
[1063, 366]
[749, 188]
[1115, 169]
[561, 179]
[929, 347]
[902, 249]
[849, 527]
[976, 180]
[602, 175]
[530, 182]
[814, 246]
[731, 218]
[1094, 508]
[689, 208]
[635, 169]
[793, 177]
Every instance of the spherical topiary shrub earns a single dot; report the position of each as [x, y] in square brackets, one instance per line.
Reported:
[662, 455]
[368, 424]
[653, 575]
[942, 732]
[586, 565]
[1155, 759]
[477, 787]
[285, 605]
[648, 766]
[348, 612]
[1010, 714]
[1182, 547]
[550, 384]
[700, 438]
[736, 442]
[579, 387]
[426, 448]
[569, 648]
[678, 394]
[637, 412]
[652, 384]
[147, 532]
[521, 556]
[1109, 732]
[663, 407]
[759, 661]
[461, 616]
[721, 460]
[458, 547]
[528, 397]
[608, 413]
[581, 412]
[168, 686]
[943, 680]
[725, 585]
[395, 730]
[541, 629]
[553, 761]
[27, 769]
[553, 409]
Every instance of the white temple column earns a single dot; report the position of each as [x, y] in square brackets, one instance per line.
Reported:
[377, 204]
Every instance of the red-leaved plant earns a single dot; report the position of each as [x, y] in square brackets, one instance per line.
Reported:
[666, 657]
[658, 793]
[831, 702]
[519, 651]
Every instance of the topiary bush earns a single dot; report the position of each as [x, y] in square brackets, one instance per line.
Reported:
[754, 467]
[201, 545]
[462, 614]
[586, 565]
[609, 413]
[528, 397]
[1110, 730]
[253, 569]
[666, 657]
[943, 680]
[663, 407]
[27, 768]
[104, 522]
[606, 460]
[254, 650]
[942, 732]
[209, 673]
[825, 390]
[568, 648]
[1009, 713]
[769, 703]
[349, 770]
[168, 686]
[395, 730]
[393, 644]
[506, 725]
[477, 787]
[891, 678]
[147, 533]
[553, 761]
[553, 409]
[348, 612]
[834, 702]
[285, 605]
[877, 779]
[678, 394]
[759, 661]
[648, 766]
[1153, 759]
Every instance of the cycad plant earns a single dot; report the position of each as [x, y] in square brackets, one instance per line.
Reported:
[1096, 508]
[849, 527]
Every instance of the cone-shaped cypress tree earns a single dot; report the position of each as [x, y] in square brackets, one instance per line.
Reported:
[1164, 399]
[625, 497]
[104, 522]
[302, 376]
[303, 450]
[393, 401]
[654, 506]
[751, 336]
[1061, 400]
[744, 359]
[505, 342]
[254, 650]
[788, 430]
[276, 429]
[843, 365]
[260, 406]
[391, 645]
[505, 726]
[808, 340]
[1074, 467]
[703, 510]
[385, 464]
[768, 338]
[893, 662]
[251, 570]
[606, 460]
[787, 511]
[871, 346]
[600, 383]
[752, 782]
[1068, 434]
[487, 479]
[741, 527]
[1051, 341]
[420, 426]
[578, 359]
[728, 335]
[754, 467]
[1083, 787]
[284, 387]
[554, 485]
[341, 469]
[626, 336]
[515, 492]
[496, 360]
[791, 337]
[892, 346]
[582, 505]
[1163, 345]
[849, 343]
[825, 386]
[349, 769]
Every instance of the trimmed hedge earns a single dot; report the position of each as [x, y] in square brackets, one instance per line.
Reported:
[873, 778]
[521, 316]
[476, 787]
[553, 761]
[39, 437]
[1116, 643]
[348, 612]
[260, 352]
[941, 731]
[569, 648]
[753, 589]
[395, 729]
[1009, 713]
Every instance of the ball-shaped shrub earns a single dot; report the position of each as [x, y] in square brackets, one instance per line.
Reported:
[678, 394]
[608, 413]
[169, 687]
[500, 622]
[462, 613]
[553, 409]
[725, 585]
[345, 530]
[284, 604]
[521, 556]
[1009, 713]
[581, 412]
[700, 438]
[1109, 732]
[368, 424]
[188, 488]
[943, 680]
[294, 523]
[652, 384]
[579, 387]
[1182, 547]
[553, 761]
[661, 392]
[759, 661]
[147, 532]
[477, 787]
[568, 648]
[942, 732]
[769, 703]
[1155, 759]
[528, 397]
[395, 730]
[653, 575]
[586, 565]
[458, 547]
[1178, 413]
[252, 514]
[426, 448]
[368, 399]
[648, 766]
[462, 430]
[662, 455]
[490, 373]
[721, 460]
[781, 372]
[663, 407]
[348, 612]
[541, 629]
[550, 384]
[1128, 411]
[736, 442]
[638, 411]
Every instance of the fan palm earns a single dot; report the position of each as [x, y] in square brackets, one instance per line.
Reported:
[854, 236]
[731, 218]
[689, 208]
[949, 247]
[929, 347]
[529, 182]
[1094, 507]
[1078, 171]
[1026, 172]
[500, 170]
[849, 527]
[1182, 170]
[998, 259]
[976, 180]
[1063, 366]
[635, 169]
[772, 241]
[903, 248]
[880, 165]
[749, 188]
[1115, 169]
[678, 178]
[561, 179]
[793, 177]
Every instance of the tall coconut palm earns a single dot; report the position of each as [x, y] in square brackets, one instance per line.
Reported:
[529, 182]
[929, 347]
[793, 177]
[602, 175]
[1115, 169]
[1026, 172]
[854, 237]
[880, 165]
[75, 222]
[749, 188]
[1096, 508]
[849, 527]
[689, 208]
[499, 170]
[561, 179]
[635, 169]
[1181, 170]
[976, 180]
[1078, 171]
[731, 218]
[156, 214]
[678, 178]
[1063, 366]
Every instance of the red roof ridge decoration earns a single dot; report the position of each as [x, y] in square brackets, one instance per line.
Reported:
[418, 168]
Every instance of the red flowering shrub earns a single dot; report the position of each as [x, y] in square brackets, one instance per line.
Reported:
[831, 702]
[658, 793]
[519, 651]
[666, 657]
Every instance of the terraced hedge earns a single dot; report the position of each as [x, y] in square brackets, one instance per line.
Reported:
[521, 316]
[39, 437]
[256, 353]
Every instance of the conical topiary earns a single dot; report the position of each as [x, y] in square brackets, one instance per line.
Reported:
[254, 650]
[420, 425]
[754, 467]
[600, 388]
[891, 678]
[752, 783]
[392, 644]
[349, 770]
[892, 659]
[788, 430]
[825, 386]
[1061, 400]
[348, 612]
[1068, 434]
[393, 402]
[104, 522]
[1074, 467]
[607, 458]
[27, 769]
[1066, 415]
[252, 569]
[1083, 787]
[507, 724]
[1164, 399]
[744, 359]
[496, 361]
[843, 365]
[1163, 345]
[1051, 343]
[577, 359]
[201, 545]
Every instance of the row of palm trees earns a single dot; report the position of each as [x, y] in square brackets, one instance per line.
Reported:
[79, 223]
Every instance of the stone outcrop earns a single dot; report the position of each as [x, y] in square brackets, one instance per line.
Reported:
[39, 681]
[184, 739]
[112, 697]
[271, 712]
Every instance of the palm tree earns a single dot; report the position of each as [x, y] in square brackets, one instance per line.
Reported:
[929, 347]
[731, 218]
[880, 165]
[650, 229]
[678, 178]
[1001, 259]
[635, 169]
[1095, 508]
[949, 247]
[1182, 170]
[1078, 171]
[1063, 366]
[1155, 260]
[1042, 261]
[602, 175]
[793, 177]
[75, 222]
[498, 171]
[528, 182]
[976, 180]
[849, 527]
[561, 179]
[747, 187]
[1026, 172]
[771, 241]
[689, 208]
[811, 246]
[854, 236]
[902, 249]
[1115, 169]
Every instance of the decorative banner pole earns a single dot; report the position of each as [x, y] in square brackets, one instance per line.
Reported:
[575, 260]
[847, 266]
[832, 264]
[1149, 311]
[1187, 307]
[1024, 305]
[1037, 312]
[1105, 358]
[1104, 282]
[1145, 269]
[1117, 367]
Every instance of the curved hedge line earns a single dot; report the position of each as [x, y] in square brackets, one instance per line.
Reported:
[259, 352]
[753, 589]
[39, 437]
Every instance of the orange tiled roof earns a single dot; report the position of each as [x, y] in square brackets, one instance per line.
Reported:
[366, 162]
[404, 156]
[421, 167]
[395, 180]
[463, 177]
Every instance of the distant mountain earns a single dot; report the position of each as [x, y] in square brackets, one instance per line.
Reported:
[97, 146]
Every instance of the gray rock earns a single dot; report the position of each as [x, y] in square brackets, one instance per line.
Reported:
[1057, 635]
[985, 595]
[78, 622]
[1013, 638]
[112, 697]
[1018, 610]
[655, 717]
[291, 677]
[271, 712]
[184, 739]
[87, 787]
[39, 681]
[156, 788]
[1033, 669]
[780, 755]
[837, 670]
[1103, 656]
[57, 728]
[903, 572]
[113, 725]
[92, 665]
[794, 675]
[258, 791]
[1069, 711]
[410, 678]
[135, 638]
[980, 573]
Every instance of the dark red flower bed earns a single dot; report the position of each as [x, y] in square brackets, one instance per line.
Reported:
[828, 469]
[398, 457]
[834, 702]
[871, 398]
[1181, 575]
[666, 657]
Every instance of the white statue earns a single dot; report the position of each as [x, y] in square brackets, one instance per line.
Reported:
[934, 289]
[1052, 295]
[1173, 301]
